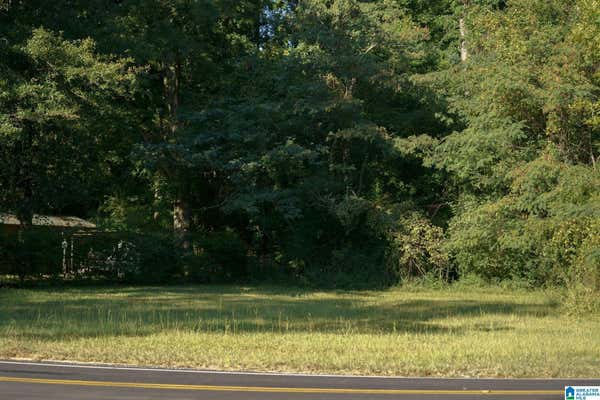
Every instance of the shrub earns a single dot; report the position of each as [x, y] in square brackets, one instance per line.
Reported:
[537, 231]
[158, 260]
[417, 249]
[124, 256]
[583, 277]
[33, 252]
[218, 257]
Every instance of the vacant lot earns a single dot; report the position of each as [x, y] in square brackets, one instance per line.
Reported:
[452, 332]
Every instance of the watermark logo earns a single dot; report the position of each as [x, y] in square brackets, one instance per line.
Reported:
[582, 392]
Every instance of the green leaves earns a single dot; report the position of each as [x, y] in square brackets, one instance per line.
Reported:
[51, 105]
[336, 139]
[523, 167]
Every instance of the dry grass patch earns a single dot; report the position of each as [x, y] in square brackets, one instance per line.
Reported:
[449, 332]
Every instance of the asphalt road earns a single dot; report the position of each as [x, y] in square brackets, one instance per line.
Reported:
[51, 381]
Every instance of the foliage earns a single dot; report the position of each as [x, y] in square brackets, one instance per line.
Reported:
[127, 257]
[55, 95]
[537, 231]
[339, 143]
[583, 277]
[524, 165]
[220, 257]
[43, 253]
[33, 253]
[418, 249]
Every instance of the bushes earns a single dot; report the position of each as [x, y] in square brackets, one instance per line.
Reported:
[544, 230]
[38, 253]
[128, 257]
[156, 259]
[376, 245]
[219, 257]
[417, 248]
[583, 277]
[122, 257]
[31, 253]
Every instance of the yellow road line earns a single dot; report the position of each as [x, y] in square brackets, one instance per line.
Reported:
[212, 388]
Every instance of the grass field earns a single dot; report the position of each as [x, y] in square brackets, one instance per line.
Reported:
[450, 332]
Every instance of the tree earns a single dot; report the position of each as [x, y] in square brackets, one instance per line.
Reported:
[184, 46]
[305, 133]
[529, 135]
[57, 98]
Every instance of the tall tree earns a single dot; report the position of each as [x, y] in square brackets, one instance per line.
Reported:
[529, 138]
[185, 45]
[305, 133]
[57, 100]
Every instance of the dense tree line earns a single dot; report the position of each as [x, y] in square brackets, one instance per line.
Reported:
[338, 142]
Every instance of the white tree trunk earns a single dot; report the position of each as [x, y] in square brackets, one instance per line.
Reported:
[464, 53]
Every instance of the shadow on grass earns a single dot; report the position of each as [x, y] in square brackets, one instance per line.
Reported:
[97, 312]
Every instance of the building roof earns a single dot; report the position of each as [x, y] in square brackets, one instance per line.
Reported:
[48, 220]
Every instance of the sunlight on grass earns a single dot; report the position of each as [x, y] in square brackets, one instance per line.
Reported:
[451, 332]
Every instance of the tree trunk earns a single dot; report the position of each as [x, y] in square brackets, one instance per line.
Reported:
[182, 212]
[464, 53]
[156, 214]
[171, 83]
[182, 218]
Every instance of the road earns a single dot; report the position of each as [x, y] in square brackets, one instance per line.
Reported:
[53, 381]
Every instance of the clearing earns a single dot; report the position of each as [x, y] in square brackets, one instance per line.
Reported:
[458, 331]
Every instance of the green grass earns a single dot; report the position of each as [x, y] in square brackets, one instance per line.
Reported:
[447, 332]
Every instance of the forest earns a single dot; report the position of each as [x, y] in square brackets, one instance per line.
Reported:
[335, 143]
